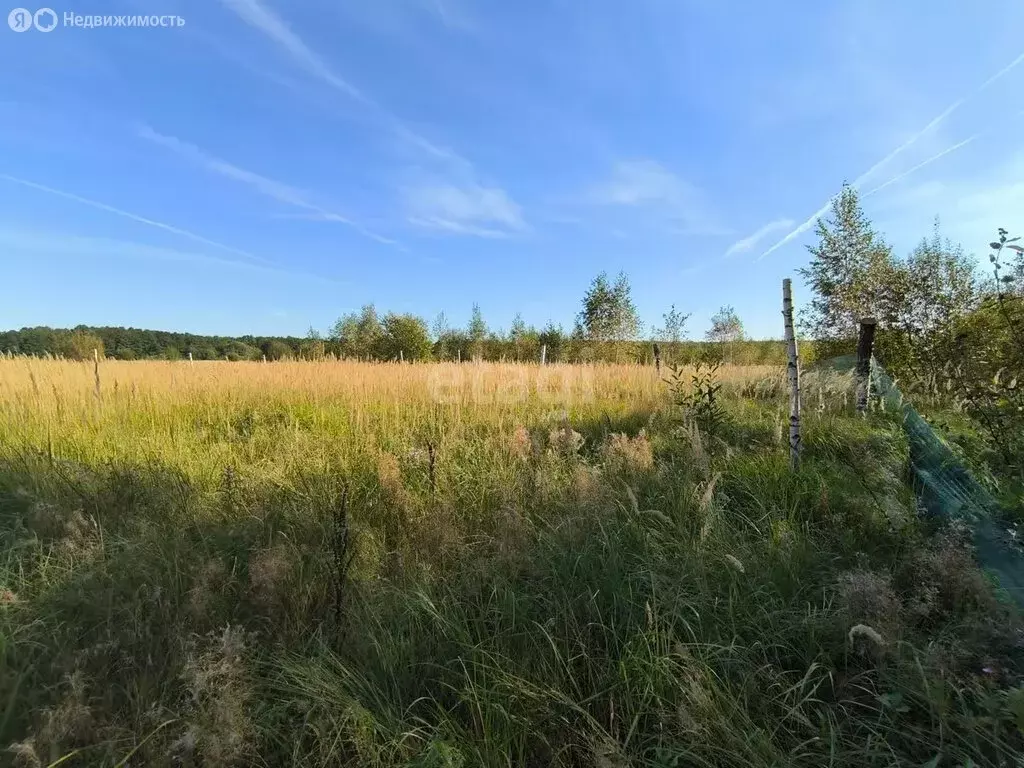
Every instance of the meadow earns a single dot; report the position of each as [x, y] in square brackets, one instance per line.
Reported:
[383, 564]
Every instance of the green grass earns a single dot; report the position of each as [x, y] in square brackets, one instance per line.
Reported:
[167, 589]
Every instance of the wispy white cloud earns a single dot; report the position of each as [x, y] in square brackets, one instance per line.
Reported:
[744, 245]
[261, 17]
[466, 209]
[460, 204]
[268, 187]
[53, 244]
[266, 21]
[932, 124]
[132, 216]
[922, 164]
[648, 184]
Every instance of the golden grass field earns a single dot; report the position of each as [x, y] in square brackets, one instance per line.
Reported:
[166, 410]
[459, 565]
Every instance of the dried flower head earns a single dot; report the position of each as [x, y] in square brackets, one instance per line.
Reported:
[629, 454]
[565, 441]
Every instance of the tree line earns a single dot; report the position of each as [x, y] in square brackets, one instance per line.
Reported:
[607, 328]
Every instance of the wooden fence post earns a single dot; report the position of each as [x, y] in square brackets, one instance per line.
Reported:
[865, 345]
[657, 358]
[96, 372]
[401, 356]
[543, 354]
[190, 359]
[794, 375]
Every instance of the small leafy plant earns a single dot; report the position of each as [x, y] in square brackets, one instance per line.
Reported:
[698, 397]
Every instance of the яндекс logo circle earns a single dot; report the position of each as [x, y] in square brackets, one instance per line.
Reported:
[20, 19]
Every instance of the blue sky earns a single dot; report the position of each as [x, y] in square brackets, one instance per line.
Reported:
[271, 165]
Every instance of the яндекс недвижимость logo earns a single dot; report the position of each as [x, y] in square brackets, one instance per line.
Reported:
[46, 20]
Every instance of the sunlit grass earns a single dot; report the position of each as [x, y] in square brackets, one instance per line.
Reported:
[551, 567]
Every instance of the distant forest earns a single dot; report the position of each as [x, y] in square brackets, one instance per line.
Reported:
[140, 344]
[607, 328]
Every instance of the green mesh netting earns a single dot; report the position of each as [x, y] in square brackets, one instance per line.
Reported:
[947, 489]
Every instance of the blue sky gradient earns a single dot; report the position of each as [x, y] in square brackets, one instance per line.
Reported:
[270, 165]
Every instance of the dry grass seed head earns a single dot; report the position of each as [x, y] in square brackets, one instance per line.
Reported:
[24, 755]
[217, 679]
[70, 723]
[208, 584]
[565, 441]
[629, 454]
[521, 444]
[269, 574]
[867, 598]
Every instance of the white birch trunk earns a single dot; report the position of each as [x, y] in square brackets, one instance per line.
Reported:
[793, 369]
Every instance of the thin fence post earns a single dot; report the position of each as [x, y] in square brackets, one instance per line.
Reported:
[657, 358]
[543, 354]
[190, 361]
[401, 356]
[865, 345]
[793, 369]
[96, 372]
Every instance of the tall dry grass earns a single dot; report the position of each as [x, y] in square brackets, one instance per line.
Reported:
[551, 567]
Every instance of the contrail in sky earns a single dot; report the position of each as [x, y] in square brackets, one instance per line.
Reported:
[885, 160]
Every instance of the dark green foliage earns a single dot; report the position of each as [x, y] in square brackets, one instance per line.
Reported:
[275, 349]
[358, 335]
[849, 274]
[80, 344]
[403, 336]
[608, 312]
[133, 343]
[700, 397]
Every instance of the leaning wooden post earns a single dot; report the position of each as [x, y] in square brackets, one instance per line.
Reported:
[190, 359]
[794, 375]
[401, 356]
[543, 354]
[865, 345]
[657, 358]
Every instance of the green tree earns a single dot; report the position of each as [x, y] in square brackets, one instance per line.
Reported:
[275, 349]
[358, 334]
[851, 274]
[553, 337]
[726, 327]
[171, 353]
[930, 291]
[674, 329]
[79, 345]
[442, 334]
[609, 313]
[477, 332]
[404, 335]
[236, 350]
[517, 336]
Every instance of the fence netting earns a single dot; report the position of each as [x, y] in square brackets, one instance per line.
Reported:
[946, 488]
